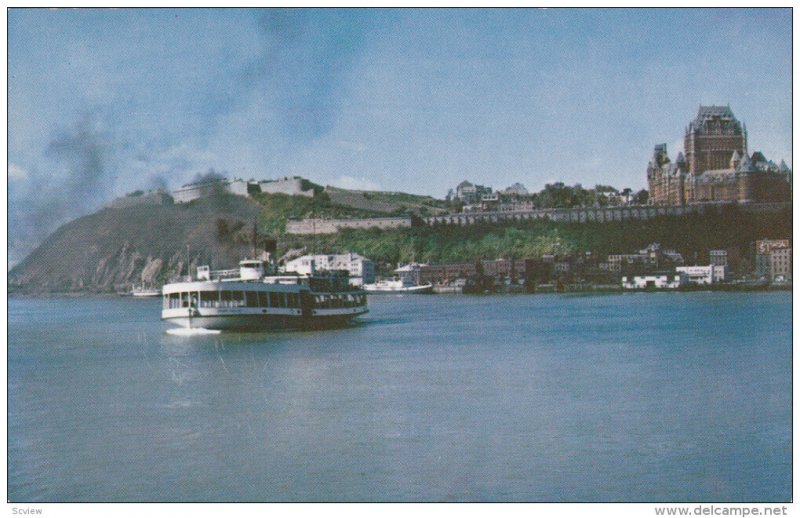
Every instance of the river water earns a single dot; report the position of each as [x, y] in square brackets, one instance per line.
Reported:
[549, 398]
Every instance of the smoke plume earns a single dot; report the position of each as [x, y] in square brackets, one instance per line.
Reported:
[77, 181]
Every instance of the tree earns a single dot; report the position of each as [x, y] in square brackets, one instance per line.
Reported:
[641, 197]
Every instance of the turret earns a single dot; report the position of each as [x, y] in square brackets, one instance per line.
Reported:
[735, 159]
[745, 165]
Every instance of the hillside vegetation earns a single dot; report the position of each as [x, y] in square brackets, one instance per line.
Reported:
[116, 248]
[277, 209]
[386, 203]
[690, 235]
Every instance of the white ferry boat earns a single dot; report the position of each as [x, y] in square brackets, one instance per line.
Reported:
[247, 299]
[397, 287]
[142, 291]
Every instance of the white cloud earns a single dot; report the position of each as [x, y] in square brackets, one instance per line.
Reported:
[357, 184]
[17, 173]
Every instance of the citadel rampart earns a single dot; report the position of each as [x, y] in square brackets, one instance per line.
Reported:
[292, 186]
[582, 215]
[332, 226]
[597, 214]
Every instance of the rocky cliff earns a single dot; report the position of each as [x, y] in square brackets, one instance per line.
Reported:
[114, 249]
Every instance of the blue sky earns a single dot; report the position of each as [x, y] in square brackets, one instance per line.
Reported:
[103, 102]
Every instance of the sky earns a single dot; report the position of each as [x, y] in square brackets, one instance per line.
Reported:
[104, 102]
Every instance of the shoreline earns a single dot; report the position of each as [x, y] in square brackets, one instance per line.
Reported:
[549, 290]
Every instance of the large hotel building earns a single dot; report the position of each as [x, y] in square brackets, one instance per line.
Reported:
[716, 166]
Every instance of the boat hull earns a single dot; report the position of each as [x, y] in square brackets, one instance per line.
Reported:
[425, 289]
[264, 322]
[146, 293]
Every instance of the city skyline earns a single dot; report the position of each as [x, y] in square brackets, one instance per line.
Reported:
[103, 102]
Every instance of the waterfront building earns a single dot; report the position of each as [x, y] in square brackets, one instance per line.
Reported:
[616, 262]
[774, 259]
[653, 256]
[443, 273]
[515, 270]
[703, 275]
[718, 257]
[661, 281]
[716, 166]
[361, 269]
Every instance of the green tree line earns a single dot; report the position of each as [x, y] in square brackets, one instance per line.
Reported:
[692, 235]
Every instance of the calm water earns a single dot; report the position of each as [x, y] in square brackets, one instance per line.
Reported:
[636, 397]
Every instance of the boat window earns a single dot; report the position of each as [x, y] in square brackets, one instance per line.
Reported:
[237, 298]
[209, 299]
[174, 300]
[262, 299]
[252, 299]
[225, 299]
[277, 299]
[293, 300]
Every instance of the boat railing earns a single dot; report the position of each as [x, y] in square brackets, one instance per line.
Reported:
[204, 273]
[225, 274]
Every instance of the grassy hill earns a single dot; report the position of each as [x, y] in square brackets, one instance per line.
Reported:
[113, 248]
[386, 202]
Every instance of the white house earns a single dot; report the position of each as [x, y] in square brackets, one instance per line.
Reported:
[361, 269]
[703, 274]
[661, 281]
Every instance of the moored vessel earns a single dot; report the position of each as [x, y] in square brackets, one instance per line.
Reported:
[252, 298]
[142, 291]
[406, 280]
[397, 286]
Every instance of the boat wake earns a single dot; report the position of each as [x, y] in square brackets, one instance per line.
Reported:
[192, 331]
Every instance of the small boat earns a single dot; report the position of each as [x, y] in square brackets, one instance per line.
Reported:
[397, 287]
[141, 291]
[253, 298]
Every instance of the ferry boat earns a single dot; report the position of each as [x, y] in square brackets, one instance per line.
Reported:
[142, 291]
[248, 298]
[397, 287]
